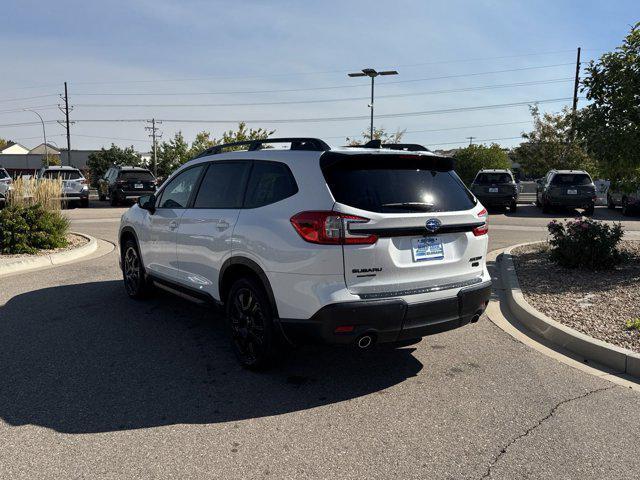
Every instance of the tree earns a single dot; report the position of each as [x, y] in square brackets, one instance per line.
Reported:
[551, 144]
[99, 162]
[3, 143]
[172, 154]
[242, 134]
[378, 134]
[50, 160]
[202, 141]
[473, 158]
[610, 124]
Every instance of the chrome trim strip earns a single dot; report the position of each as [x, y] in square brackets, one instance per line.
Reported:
[417, 291]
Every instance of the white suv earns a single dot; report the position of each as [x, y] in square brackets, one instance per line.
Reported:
[346, 246]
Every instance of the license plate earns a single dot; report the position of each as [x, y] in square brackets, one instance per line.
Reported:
[572, 192]
[138, 185]
[493, 190]
[427, 248]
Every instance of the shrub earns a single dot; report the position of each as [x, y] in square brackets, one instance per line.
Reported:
[633, 324]
[585, 243]
[32, 191]
[29, 228]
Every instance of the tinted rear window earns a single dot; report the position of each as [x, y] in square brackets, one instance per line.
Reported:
[63, 174]
[395, 184]
[270, 182]
[488, 178]
[571, 179]
[136, 175]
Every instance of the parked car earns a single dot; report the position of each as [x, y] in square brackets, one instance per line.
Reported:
[5, 186]
[496, 188]
[625, 195]
[122, 183]
[566, 189]
[352, 246]
[75, 188]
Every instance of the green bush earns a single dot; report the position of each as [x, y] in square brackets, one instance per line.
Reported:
[29, 228]
[585, 243]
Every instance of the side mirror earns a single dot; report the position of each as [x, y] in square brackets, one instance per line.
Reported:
[147, 202]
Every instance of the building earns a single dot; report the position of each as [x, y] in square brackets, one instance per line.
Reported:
[14, 148]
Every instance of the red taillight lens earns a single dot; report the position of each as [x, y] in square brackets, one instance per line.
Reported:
[481, 230]
[482, 213]
[329, 228]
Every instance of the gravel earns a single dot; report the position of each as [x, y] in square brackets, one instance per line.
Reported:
[595, 303]
[74, 240]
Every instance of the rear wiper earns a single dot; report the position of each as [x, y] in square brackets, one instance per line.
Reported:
[423, 206]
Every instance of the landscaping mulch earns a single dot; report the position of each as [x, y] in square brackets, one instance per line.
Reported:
[597, 304]
[74, 240]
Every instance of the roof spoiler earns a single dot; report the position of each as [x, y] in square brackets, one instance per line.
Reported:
[409, 147]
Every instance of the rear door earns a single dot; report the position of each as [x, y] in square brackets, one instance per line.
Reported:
[204, 234]
[424, 219]
[496, 184]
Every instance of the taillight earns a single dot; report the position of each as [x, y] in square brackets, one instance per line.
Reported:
[482, 213]
[84, 181]
[330, 228]
[481, 230]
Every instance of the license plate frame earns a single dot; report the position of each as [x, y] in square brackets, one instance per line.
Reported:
[427, 249]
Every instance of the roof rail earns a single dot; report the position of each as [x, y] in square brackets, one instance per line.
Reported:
[297, 143]
[415, 147]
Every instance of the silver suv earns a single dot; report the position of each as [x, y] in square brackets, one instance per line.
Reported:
[351, 246]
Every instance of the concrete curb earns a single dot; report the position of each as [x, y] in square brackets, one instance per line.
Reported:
[32, 263]
[620, 359]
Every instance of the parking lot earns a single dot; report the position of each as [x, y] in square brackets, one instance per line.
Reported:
[95, 384]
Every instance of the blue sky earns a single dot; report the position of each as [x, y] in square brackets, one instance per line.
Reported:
[173, 52]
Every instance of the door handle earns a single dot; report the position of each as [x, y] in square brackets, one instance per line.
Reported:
[223, 225]
[173, 224]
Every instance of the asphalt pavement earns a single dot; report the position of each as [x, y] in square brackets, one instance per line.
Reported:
[95, 385]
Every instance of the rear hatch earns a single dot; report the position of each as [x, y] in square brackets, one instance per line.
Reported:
[493, 184]
[420, 215]
[136, 180]
[572, 186]
[72, 180]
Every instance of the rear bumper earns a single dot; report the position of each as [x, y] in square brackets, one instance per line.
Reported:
[75, 196]
[572, 202]
[389, 320]
[494, 200]
[134, 194]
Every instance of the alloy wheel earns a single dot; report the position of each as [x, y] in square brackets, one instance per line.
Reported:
[131, 271]
[247, 323]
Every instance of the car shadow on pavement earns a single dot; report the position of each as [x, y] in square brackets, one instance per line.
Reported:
[601, 213]
[84, 358]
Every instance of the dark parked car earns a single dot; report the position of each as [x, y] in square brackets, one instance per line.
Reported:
[122, 183]
[566, 189]
[496, 188]
[625, 195]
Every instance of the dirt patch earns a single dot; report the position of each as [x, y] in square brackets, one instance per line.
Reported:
[75, 241]
[595, 303]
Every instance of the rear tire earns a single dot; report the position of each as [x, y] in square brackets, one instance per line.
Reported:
[114, 199]
[84, 203]
[610, 204]
[102, 197]
[626, 211]
[590, 210]
[249, 321]
[513, 207]
[546, 208]
[136, 283]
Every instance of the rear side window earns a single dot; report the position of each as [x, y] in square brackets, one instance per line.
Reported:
[63, 174]
[136, 175]
[396, 184]
[571, 179]
[488, 178]
[270, 182]
[223, 185]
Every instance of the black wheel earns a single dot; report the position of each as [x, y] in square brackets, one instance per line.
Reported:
[610, 204]
[626, 211]
[135, 281]
[102, 197]
[114, 199]
[589, 210]
[546, 208]
[84, 203]
[249, 320]
[513, 206]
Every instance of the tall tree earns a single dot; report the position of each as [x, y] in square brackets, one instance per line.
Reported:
[242, 134]
[99, 162]
[202, 141]
[3, 143]
[611, 122]
[471, 159]
[378, 134]
[172, 154]
[551, 145]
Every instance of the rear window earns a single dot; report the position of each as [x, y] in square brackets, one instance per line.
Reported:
[136, 175]
[571, 179]
[396, 184]
[488, 178]
[3, 173]
[63, 174]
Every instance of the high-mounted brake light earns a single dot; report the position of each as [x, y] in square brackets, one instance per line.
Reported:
[330, 228]
[481, 230]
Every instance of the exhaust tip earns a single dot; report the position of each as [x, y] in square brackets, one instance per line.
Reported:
[476, 316]
[365, 341]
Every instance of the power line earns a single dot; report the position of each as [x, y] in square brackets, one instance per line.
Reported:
[477, 141]
[22, 109]
[326, 100]
[27, 98]
[332, 87]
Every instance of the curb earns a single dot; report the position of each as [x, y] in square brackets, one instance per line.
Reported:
[617, 358]
[32, 263]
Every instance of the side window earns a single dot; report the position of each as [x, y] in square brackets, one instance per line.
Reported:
[223, 185]
[177, 192]
[270, 182]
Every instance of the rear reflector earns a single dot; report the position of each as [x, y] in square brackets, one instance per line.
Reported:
[344, 329]
[482, 213]
[330, 228]
[481, 230]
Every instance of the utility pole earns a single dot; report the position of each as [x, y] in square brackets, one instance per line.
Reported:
[470, 140]
[154, 136]
[67, 123]
[576, 83]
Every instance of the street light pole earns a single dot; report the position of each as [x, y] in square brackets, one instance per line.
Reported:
[44, 135]
[370, 72]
